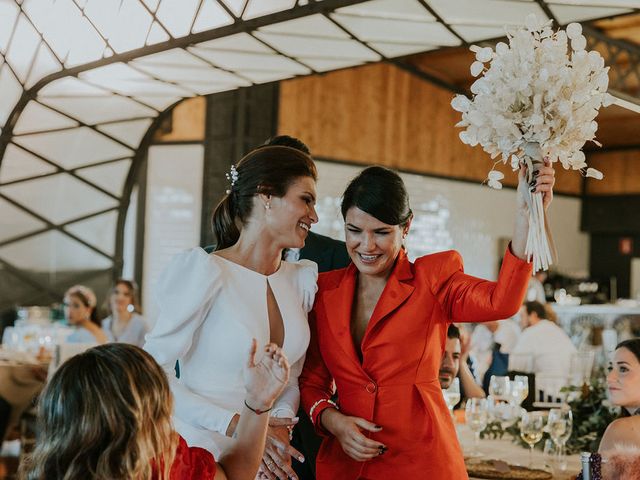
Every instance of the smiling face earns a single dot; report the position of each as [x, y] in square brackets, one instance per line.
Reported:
[450, 363]
[289, 218]
[121, 297]
[623, 379]
[372, 245]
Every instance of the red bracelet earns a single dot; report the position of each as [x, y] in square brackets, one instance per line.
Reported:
[257, 411]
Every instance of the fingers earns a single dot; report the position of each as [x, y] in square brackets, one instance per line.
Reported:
[366, 425]
[285, 448]
[283, 422]
[251, 361]
[277, 465]
[265, 473]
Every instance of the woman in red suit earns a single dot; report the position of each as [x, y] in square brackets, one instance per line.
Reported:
[378, 331]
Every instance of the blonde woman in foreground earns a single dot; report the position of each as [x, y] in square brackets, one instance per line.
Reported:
[106, 414]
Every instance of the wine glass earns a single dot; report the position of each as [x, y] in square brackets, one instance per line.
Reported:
[452, 394]
[506, 413]
[559, 426]
[476, 414]
[499, 387]
[531, 430]
[519, 388]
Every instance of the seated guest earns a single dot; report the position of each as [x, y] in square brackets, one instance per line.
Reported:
[80, 312]
[489, 337]
[125, 324]
[620, 445]
[106, 414]
[454, 364]
[549, 345]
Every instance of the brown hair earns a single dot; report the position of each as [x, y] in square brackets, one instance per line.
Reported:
[87, 298]
[267, 170]
[536, 307]
[106, 413]
[133, 291]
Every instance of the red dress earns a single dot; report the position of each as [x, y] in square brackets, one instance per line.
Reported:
[396, 384]
[191, 463]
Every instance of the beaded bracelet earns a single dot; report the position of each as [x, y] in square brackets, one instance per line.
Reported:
[257, 411]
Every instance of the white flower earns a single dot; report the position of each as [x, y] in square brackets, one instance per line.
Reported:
[476, 68]
[579, 43]
[574, 30]
[541, 87]
[484, 55]
[593, 173]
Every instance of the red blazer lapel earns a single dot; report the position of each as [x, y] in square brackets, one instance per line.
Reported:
[398, 288]
[338, 302]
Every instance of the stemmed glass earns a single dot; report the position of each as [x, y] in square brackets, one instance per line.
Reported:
[507, 413]
[452, 394]
[500, 387]
[519, 389]
[531, 430]
[559, 426]
[476, 413]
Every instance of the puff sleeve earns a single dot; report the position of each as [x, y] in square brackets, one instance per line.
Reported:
[286, 406]
[184, 294]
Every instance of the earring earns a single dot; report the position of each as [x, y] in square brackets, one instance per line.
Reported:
[267, 206]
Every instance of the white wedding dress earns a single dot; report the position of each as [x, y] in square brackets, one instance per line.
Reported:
[210, 309]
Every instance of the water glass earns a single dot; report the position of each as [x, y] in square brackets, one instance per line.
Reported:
[519, 389]
[452, 394]
[500, 387]
[559, 426]
[476, 415]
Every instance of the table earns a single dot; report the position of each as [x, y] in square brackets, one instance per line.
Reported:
[18, 383]
[504, 449]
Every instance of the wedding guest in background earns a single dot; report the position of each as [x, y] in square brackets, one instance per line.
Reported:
[620, 444]
[328, 254]
[489, 337]
[454, 364]
[206, 315]
[125, 322]
[547, 344]
[80, 312]
[106, 414]
[378, 332]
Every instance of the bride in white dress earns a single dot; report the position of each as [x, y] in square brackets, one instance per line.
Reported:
[212, 305]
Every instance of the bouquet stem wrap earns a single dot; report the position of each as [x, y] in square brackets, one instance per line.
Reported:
[540, 248]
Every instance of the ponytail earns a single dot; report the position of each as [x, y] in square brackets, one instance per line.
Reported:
[223, 223]
[268, 170]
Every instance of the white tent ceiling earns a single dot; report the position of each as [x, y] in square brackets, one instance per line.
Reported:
[82, 81]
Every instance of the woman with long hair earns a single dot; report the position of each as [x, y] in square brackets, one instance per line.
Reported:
[620, 444]
[212, 304]
[378, 333]
[106, 414]
[80, 312]
[125, 322]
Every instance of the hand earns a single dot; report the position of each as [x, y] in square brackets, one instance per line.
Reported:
[265, 381]
[465, 343]
[348, 432]
[276, 461]
[544, 182]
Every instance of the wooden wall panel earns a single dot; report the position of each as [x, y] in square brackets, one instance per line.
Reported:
[379, 114]
[621, 173]
[187, 122]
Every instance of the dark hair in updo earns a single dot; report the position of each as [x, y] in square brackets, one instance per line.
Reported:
[268, 170]
[381, 193]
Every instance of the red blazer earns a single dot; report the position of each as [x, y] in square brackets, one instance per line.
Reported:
[396, 386]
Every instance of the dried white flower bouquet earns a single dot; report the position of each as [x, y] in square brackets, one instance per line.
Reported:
[538, 97]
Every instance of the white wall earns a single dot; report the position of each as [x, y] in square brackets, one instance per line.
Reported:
[172, 211]
[468, 217]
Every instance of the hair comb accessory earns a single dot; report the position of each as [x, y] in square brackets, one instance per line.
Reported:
[232, 176]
